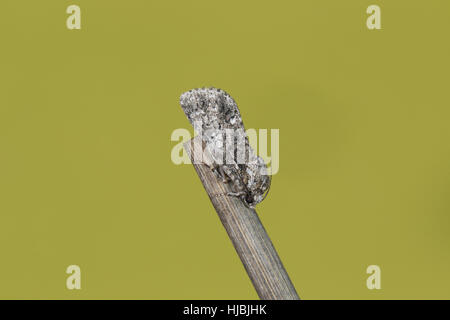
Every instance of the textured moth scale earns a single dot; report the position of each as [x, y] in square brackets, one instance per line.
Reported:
[215, 115]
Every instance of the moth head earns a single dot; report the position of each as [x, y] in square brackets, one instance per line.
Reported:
[259, 190]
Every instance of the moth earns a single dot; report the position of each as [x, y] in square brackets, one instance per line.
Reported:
[215, 116]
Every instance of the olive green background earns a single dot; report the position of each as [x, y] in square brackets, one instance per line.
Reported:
[86, 117]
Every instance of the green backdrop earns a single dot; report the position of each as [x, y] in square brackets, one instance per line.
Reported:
[86, 117]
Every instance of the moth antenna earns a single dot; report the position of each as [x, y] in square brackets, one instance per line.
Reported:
[267, 191]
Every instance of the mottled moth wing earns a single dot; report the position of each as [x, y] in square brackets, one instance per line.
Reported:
[212, 113]
[215, 115]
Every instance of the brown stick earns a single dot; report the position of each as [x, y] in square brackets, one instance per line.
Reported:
[245, 230]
